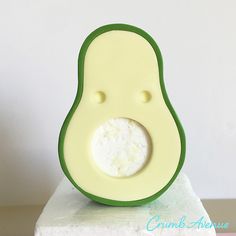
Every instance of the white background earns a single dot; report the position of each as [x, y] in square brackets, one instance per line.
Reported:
[39, 44]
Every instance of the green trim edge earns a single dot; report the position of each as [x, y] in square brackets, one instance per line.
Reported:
[82, 53]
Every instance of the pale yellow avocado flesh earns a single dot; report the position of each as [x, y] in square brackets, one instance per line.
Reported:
[122, 65]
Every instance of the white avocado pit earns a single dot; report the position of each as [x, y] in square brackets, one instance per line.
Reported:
[120, 147]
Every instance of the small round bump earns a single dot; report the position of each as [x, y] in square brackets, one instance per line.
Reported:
[145, 96]
[99, 97]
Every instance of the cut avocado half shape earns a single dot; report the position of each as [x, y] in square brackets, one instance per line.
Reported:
[120, 74]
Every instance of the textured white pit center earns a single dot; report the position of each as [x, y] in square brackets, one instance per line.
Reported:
[120, 147]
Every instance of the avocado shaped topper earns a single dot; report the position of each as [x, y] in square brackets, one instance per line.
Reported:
[120, 74]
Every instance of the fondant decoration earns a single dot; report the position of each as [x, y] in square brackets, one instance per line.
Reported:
[121, 87]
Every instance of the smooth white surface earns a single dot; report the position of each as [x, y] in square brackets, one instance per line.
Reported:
[40, 41]
[68, 212]
[120, 147]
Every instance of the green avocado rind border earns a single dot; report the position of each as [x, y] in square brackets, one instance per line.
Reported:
[81, 58]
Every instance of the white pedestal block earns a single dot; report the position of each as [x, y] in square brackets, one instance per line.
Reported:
[70, 213]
